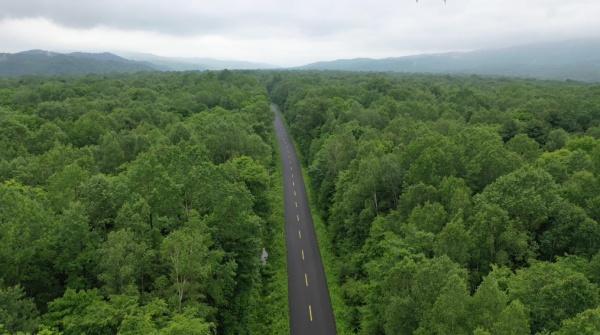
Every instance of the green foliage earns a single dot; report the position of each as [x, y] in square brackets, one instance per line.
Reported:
[140, 203]
[187, 253]
[485, 185]
[133, 204]
[17, 312]
[585, 323]
[552, 293]
[123, 262]
[513, 320]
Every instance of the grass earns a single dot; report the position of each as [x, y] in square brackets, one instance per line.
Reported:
[278, 254]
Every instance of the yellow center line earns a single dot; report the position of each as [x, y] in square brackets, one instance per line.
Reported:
[296, 203]
[293, 184]
[299, 234]
[294, 192]
[297, 218]
[306, 279]
[310, 313]
[302, 254]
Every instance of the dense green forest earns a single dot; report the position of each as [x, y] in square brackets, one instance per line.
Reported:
[455, 205]
[139, 204]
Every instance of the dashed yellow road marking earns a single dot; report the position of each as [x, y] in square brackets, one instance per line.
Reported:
[296, 202]
[297, 218]
[302, 254]
[310, 312]
[294, 192]
[299, 234]
[306, 279]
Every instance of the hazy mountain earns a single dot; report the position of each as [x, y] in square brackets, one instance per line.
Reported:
[577, 60]
[39, 62]
[186, 64]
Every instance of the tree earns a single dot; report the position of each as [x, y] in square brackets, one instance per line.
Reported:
[226, 135]
[63, 186]
[552, 293]
[485, 157]
[184, 324]
[102, 197]
[585, 323]
[88, 129]
[454, 241]
[24, 247]
[17, 312]
[526, 147]
[513, 320]
[569, 231]
[147, 319]
[72, 246]
[430, 217]
[487, 304]
[149, 178]
[528, 195]
[46, 137]
[191, 261]
[496, 239]
[82, 312]
[455, 195]
[124, 261]
[404, 296]
[254, 176]
[449, 312]
[557, 138]
[109, 153]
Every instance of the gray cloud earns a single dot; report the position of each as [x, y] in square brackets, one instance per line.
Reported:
[291, 32]
[179, 17]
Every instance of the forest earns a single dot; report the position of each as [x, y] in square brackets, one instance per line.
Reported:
[454, 204]
[138, 204]
[141, 203]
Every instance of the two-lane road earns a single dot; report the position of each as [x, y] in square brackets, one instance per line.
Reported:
[308, 296]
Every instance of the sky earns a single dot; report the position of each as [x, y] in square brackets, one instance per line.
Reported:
[289, 33]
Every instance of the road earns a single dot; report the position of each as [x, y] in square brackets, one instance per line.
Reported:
[308, 296]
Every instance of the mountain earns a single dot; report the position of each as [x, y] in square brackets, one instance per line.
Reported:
[187, 64]
[576, 60]
[40, 62]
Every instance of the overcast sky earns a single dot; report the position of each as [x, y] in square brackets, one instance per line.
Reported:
[287, 33]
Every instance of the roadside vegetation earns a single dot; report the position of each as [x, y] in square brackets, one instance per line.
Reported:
[454, 205]
[138, 204]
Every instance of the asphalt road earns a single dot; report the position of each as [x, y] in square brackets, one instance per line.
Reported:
[308, 296]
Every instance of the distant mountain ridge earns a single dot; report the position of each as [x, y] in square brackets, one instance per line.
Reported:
[195, 63]
[48, 63]
[41, 62]
[576, 60]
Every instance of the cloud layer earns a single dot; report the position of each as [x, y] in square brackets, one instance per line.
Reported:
[290, 32]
